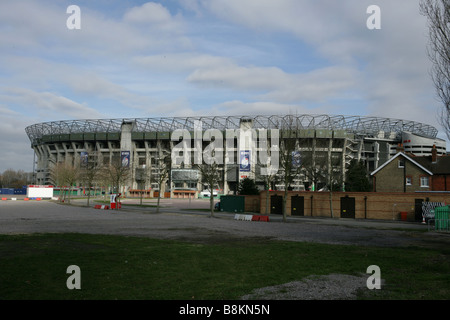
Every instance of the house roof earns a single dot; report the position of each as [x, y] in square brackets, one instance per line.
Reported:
[407, 158]
[441, 166]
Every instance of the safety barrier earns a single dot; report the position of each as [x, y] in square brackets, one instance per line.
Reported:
[260, 218]
[249, 217]
[24, 199]
[244, 217]
[101, 206]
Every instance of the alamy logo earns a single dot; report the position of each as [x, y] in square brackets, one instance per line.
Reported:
[374, 281]
[374, 20]
[252, 145]
[74, 20]
[74, 280]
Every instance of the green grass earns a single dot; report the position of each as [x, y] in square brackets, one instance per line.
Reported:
[117, 267]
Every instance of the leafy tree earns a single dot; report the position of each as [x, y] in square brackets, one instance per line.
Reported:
[247, 186]
[357, 178]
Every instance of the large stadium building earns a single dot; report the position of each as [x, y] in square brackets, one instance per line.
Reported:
[325, 145]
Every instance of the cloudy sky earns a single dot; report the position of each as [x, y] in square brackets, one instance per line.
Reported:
[207, 57]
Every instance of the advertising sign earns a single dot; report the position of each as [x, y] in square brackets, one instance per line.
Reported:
[83, 158]
[125, 158]
[296, 159]
[39, 191]
[244, 160]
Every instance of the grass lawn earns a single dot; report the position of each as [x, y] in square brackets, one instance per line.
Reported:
[117, 267]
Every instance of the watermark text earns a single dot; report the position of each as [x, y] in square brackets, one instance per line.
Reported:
[374, 20]
[74, 20]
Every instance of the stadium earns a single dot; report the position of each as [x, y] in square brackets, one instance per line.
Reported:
[325, 145]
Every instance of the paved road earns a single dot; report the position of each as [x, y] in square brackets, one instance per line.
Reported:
[174, 222]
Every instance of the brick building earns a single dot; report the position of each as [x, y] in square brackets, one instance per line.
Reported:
[408, 173]
[440, 167]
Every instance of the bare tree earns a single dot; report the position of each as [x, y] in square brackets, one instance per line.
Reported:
[116, 173]
[313, 163]
[334, 178]
[89, 172]
[164, 164]
[143, 174]
[57, 176]
[268, 165]
[14, 179]
[269, 178]
[65, 174]
[211, 176]
[438, 15]
[289, 169]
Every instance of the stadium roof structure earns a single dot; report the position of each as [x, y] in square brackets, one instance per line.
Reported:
[360, 125]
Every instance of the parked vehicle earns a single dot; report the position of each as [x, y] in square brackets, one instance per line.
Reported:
[207, 193]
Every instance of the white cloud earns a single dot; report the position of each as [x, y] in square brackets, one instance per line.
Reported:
[274, 84]
[386, 69]
[237, 107]
[226, 57]
[153, 15]
[16, 151]
[180, 62]
[238, 77]
[48, 104]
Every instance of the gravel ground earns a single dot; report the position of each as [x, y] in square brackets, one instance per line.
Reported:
[19, 217]
[45, 216]
[330, 287]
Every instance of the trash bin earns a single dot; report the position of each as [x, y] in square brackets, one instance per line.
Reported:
[404, 215]
[442, 217]
[232, 203]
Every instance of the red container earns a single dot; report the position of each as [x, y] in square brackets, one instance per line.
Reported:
[404, 215]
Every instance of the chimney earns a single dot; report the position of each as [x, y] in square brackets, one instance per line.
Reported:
[433, 154]
[399, 148]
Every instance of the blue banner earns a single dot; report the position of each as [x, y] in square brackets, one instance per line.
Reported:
[244, 160]
[125, 158]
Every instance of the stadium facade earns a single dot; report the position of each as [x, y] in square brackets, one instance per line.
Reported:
[324, 144]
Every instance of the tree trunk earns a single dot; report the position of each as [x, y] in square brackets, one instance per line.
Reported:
[157, 204]
[68, 196]
[211, 198]
[89, 196]
[284, 203]
[331, 203]
[211, 204]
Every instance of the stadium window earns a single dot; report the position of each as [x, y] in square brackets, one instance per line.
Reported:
[192, 185]
[178, 185]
